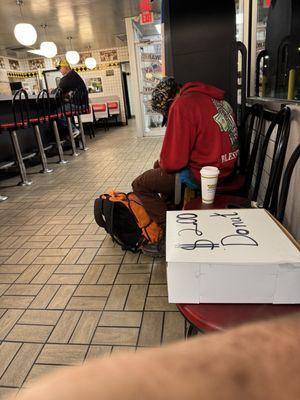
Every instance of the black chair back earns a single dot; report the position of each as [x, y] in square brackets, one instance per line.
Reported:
[281, 122]
[80, 102]
[59, 103]
[286, 180]
[249, 133]
[20, 109]
[43, 106]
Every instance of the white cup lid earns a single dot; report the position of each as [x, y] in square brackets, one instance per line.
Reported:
[210, 171]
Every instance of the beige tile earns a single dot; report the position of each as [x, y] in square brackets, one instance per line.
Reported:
[159, 304]
[62, 297]
[3, 288]
[123, 349]
[158, 290]
[64, 279]
[110, 251]
[71, 269]
[8, 320]
[87, 256]
[65, 327]
[62, 354]
[174, 327]
[21, 365]
[54, 252]
[6, 392]
[132, 278]
[93, 290]
[28, 275]
[107, 259]
[30, 256]
[23, 290]
[121, 318]
[40, 370]
[12, 269]
[57, 241]
[7, 353]
[44, 297]
[108, 242]
[44, 274]
[136, 297]
[40, 317]
[17, 256]
[116, 336]
[145, 259]
[29, 333]
[48, 260]
[159, 273]
[108, 275]
[136, 268]
[86, 327]
[130, 258]
[92, 244]
[92, 274]
[70, 241]
[73, 256]
[98, 351]
[151, 329]
[15, 301]
[86, 303]
[117, 297]
[8, 278]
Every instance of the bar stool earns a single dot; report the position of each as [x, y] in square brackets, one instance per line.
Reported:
[43, 112]
[20, 113]
[81, 106]
[57, 114]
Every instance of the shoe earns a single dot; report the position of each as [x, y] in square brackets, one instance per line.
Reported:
[155, 249]
[3, 198]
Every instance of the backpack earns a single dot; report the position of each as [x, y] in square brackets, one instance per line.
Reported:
[125, 219]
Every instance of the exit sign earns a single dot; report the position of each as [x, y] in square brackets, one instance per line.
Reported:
[146, 18]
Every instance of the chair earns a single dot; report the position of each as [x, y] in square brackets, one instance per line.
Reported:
[43, 116]
[100, 111]
[80, 103]
[114, 109]
[21, 118]
[217, 317]
[55, 115]
[87, 119]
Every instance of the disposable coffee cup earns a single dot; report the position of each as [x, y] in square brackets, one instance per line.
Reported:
[209, 180]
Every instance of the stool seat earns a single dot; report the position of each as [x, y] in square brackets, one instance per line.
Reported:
[113, 105]
[12, 125]
[97, 107]
[219, 317]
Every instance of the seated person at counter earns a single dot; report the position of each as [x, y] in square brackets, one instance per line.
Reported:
[68, 83]
[201, 131]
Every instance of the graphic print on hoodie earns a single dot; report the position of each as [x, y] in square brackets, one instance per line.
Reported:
[201, 131]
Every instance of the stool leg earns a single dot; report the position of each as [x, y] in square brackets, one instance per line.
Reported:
[45, 169]
[74, 152]
[59, 146]
[3, 198]
[82, 134]
[22, 169]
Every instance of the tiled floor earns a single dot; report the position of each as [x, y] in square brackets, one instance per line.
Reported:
[67, 292]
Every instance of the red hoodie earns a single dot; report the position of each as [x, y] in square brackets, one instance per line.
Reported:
[200, 131]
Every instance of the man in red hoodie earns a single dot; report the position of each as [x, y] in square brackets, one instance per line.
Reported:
[201, 131]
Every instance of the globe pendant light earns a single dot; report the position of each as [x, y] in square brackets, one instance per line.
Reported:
[48, 49]
[90, 62]
[24, 33]
[72, 56]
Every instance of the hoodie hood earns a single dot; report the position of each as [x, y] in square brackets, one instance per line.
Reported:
[199, 87]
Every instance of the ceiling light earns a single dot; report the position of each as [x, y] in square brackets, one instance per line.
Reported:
[72, 56]
[48, 49]
[90, 62]
[25, 33]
